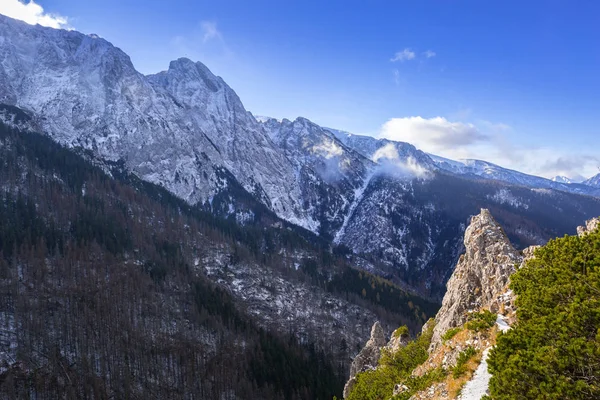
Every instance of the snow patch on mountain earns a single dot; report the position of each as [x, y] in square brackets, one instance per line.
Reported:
[562, 179]
[478, 386]
[504, 196]
[358, 195]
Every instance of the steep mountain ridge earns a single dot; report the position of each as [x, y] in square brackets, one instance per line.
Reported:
[384, 149]
[562, 179]
[593, 181]
[330, 173]
[369, 146]
[489, 170]
[179, 128]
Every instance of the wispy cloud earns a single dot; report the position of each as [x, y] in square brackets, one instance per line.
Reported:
[404, 55]
[205, 43]
[32, 13]
[210, 31]
[429, 54]
[396, 77]
[391, 164]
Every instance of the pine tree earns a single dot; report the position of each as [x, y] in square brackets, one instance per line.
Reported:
[554, 350]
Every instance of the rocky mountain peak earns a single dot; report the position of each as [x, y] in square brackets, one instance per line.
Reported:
[594, 181]
[192, 71]
[368, 357]
[481, 274]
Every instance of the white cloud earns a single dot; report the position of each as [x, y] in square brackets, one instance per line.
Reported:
[210, 31]
[390, 163]
[328, 149]
[32, 13]
[429, 54]
[404, 55]
[432, 135]
[491, 142]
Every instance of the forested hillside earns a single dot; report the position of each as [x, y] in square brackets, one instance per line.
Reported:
[111, 287]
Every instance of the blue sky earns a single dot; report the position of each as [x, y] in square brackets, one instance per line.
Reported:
[513, 82]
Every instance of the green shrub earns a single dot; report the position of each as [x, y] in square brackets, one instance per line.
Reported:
[375, 384]
[480, 321]
[461, 362]
[418, 383]
[553, 352]
[450, 333]
[402, 331]
[393, 368]
[406, 358]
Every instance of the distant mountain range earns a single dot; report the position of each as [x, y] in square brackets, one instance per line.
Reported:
[402, 210]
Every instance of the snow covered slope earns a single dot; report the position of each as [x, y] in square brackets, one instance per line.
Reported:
[488, 170]
[594, 181]
[181, 128]
[368, 146]
[377, 149]
[330, 173]
[562, 179]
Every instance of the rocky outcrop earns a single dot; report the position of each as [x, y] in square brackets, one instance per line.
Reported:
[368, 356]
[399, 339]
[590, 226]
[481, 274]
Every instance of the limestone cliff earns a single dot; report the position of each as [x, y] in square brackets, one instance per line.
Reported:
[368, 356]
[480, 282]
[481, 274]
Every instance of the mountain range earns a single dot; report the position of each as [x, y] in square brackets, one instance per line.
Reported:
[401, 210]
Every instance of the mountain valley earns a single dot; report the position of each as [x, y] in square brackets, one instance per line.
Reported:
[158, 238]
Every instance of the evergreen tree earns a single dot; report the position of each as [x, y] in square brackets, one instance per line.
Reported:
[554, 350]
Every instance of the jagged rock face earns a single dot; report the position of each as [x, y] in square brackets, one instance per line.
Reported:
[330, 173]
[481, 274]
[590, 226]
[368, 357]
[179, 128]
[396, 342]
[247, 151]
